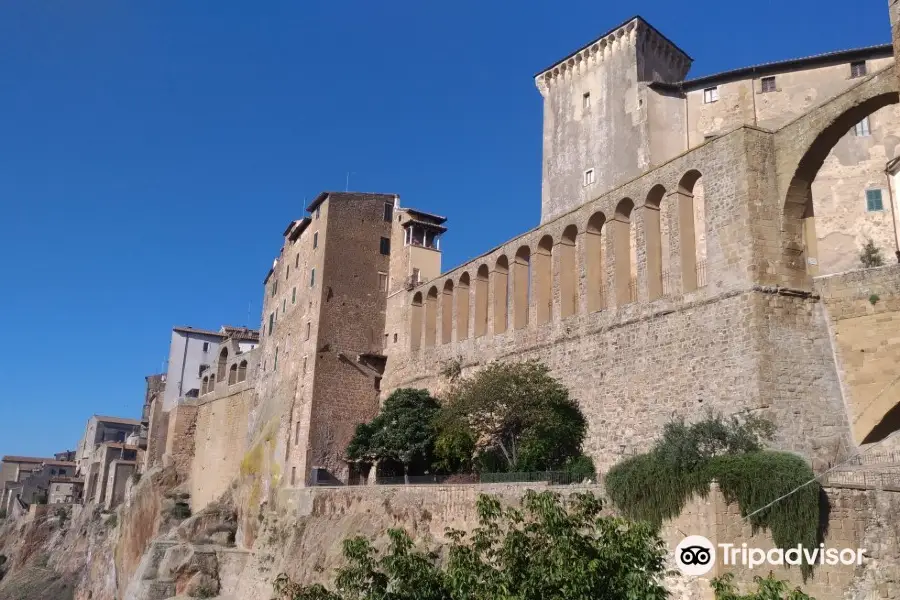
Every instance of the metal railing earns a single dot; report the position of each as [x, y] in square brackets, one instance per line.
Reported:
[546, 477]
[701, 273]
[864, 479]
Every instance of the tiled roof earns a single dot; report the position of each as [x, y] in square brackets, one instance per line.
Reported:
[837, 56]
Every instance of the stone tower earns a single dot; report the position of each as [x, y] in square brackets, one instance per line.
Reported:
[598, 107]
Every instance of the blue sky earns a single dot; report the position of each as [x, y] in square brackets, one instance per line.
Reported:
[151, 153]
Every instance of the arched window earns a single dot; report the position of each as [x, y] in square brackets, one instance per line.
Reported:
[481, 300]
[222, 364]
[415, 322]
[447, 313]
[431, 301]
[462, 308]
[204, 387]
[212, 383]
[501, 295]
[624, 263]
[568, 272]
[692, 231]
[242, 371]
[232, 374]
[542, 281]
[521, 287]
[657, 252]
[595, 262]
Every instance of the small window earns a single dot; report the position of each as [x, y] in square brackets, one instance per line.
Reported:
[589, 177]
[395, 338]
[275, 360]
[284, 306]
[312, 278]
[271, 323]
[388, 212]
[274, 288]
[873, 201]
[294, 296]
[385, 246]
[316, 240]
[767, 84]
[308, 329]
[287, 272]
[862, 128]
[297, 433]
[304, 365]
[318, 211]
[297, 261]
[206, 346]
[858, 69]
[383, 282]
[710, 95]
[293, 475]
[586, 101]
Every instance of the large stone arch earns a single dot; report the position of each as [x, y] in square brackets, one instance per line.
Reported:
[801, 148]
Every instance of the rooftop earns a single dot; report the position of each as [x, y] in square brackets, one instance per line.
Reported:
[25, 459]
[59, 463]
[437, 219]
[117, 420]
[639, 20]
[790, 64]
[338, 195]
[238, 333]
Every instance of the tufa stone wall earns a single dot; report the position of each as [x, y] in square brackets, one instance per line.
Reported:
[180, 440]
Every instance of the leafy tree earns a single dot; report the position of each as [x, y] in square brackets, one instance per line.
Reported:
[403, 431]
[520, 414]
[454, 448]
[547, 549]
[871, 255]
[768, 588]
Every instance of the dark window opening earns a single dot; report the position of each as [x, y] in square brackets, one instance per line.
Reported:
[858, 69]
[767, 84]
[385, 246]
[388, 211]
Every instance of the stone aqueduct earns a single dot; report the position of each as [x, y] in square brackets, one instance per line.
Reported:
[608, 255]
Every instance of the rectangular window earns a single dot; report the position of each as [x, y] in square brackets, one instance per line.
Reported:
[873, 201]
[287, 272]
[858, 69]
[388, 212]
[271, 323]
[383, 282]
[586, 101]
[862, 128]
[297, 433]
[308, 329]
[283, 306]
[293, 475]
[294, 296]
[296, 261]
[275, 361]
[589, 177]
[318, 211]
[312, 278]
[710, 95]
[385, 246]
[304, 365]
[205, 346]
[767, 84]
[316, 240]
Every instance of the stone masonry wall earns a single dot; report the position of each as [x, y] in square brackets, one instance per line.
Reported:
[180, 440]
[863, 309]
[220, 442]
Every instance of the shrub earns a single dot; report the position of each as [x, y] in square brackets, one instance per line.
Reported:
[870, 256]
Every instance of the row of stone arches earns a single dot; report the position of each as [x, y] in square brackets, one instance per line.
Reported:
[237, 373]
[580, 264]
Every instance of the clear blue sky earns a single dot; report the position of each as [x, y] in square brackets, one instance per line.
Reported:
[151, 153]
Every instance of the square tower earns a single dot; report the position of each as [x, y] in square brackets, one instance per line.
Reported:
[597, 109]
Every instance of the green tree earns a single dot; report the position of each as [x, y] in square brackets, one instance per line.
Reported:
[768, 588]
[403, 431]
[518, 413]
[550, 548]
[871, 255]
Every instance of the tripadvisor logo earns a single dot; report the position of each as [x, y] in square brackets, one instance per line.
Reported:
[696, 555]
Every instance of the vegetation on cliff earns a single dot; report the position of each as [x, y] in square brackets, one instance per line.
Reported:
[655, 486]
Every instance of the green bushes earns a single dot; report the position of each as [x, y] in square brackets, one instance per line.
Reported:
[655, 486]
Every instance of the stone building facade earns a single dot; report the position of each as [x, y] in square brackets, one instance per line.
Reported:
[686, 270]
